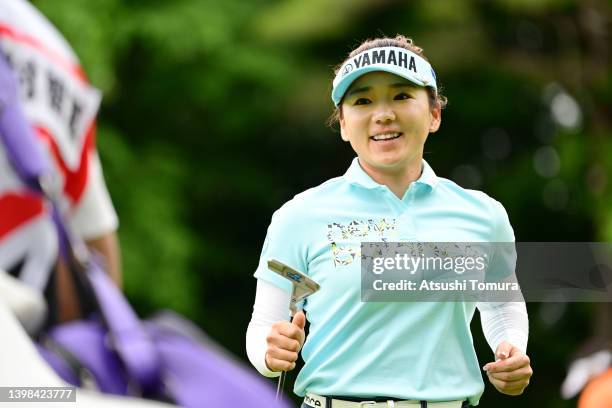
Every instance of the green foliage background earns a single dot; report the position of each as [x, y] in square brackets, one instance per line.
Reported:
[214, 111]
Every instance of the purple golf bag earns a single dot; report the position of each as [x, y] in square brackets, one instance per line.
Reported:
[165, 358]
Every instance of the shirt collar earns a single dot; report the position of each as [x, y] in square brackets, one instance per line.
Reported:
[356, 175]
[428, 177]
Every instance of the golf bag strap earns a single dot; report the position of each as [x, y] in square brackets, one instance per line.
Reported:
[22, 149]
[130, 340]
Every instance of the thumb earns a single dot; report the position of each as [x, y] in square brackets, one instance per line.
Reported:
[503, 350]
[299, 319]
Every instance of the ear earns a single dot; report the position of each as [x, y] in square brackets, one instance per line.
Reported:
[343, 131]
[435, 115]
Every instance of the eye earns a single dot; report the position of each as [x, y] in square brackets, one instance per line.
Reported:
[402, 95]
[362, 101]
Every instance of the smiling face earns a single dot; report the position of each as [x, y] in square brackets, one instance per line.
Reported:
[387, 119]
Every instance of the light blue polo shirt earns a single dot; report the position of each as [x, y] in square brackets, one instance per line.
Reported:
[407, 350]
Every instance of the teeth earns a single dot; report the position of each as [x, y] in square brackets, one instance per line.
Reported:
[386, 136]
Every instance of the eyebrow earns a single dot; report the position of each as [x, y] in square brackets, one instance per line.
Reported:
[367, 88]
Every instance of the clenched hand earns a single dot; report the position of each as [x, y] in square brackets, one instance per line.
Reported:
[511, 372]
[285, 341]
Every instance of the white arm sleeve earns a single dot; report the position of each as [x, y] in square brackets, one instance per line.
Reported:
[504, 321]
[271, 305]
[94, 216]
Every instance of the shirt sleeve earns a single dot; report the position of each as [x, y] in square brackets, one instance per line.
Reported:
[94, 216]
[271, 305]
[503, 258]
[285, 241]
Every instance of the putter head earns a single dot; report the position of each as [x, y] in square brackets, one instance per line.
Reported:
[303, 286]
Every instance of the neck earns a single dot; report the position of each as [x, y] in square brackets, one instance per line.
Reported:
[397, 181]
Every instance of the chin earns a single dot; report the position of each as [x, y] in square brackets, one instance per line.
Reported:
[389, 162]
[388, 166]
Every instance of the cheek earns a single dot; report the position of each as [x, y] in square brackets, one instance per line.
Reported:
[417, 121]
[356, 123]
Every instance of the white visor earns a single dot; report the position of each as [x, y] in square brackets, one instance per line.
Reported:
[395, 60]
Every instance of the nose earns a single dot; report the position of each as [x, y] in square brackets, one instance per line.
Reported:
[384, 114]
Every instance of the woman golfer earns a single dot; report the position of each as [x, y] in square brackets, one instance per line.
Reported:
[385, 354]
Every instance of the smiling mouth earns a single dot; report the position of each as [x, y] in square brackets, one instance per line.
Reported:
[386, 136]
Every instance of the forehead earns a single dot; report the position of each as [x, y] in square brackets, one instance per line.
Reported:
[380, 78]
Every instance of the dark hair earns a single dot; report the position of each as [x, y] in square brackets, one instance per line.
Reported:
[400, 41]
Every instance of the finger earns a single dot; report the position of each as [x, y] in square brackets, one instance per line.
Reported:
[283, 342]
[503, 350]
[279, 365]
[283, 328]
[513, 392]
[508, 383]
[299, 319]
[292, 331]
[521, 373]
[510, 364]
[280, 354]
[509, 386]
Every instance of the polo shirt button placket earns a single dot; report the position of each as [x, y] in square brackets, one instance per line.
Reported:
[395, 205]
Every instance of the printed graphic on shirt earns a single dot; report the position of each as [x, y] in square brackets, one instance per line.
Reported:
[345, 238]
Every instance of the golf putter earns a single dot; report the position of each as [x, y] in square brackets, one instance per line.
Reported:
[303, 287]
